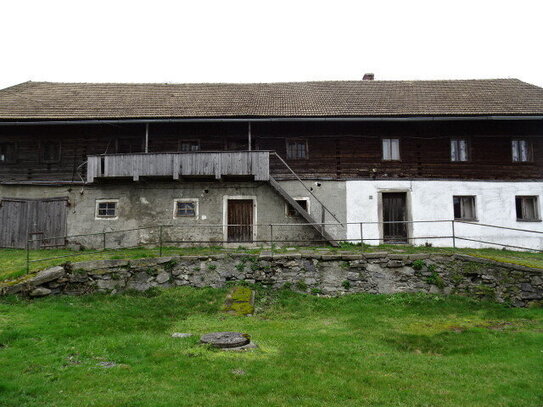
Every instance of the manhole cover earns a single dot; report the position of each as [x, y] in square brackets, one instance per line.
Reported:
[226, 339]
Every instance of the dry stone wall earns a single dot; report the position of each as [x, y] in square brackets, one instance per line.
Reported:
[379, 273]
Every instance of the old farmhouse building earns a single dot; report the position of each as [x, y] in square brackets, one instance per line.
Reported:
[223, 162]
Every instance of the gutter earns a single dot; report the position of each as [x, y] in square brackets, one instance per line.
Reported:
[269, 120]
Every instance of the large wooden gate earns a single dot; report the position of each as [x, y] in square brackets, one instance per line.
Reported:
[42, 220]
[240, 214]
[394, 210]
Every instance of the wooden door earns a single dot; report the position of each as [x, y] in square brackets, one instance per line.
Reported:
[394, 210]
[240, 215]
[43, 220]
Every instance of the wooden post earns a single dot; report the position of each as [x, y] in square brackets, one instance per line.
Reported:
[104, 240]
[249, 136]
[146, 137]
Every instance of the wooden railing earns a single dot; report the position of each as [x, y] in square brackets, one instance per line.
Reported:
[206, 163]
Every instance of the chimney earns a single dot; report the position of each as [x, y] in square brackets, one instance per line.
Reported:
[368, 77]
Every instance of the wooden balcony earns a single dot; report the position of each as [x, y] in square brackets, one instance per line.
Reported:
[215, 164]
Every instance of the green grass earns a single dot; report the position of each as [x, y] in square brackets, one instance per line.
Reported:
[13, 261]
[357, 350]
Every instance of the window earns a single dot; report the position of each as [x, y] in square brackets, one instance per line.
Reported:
[464, 208]
[520, 150]
[185, 208]
[190, 145]
[106, 209]
[391, 149]
[51, 152]
[297, 149]
[459, 150]
[527, 208]
[8, 153]
[303, 202]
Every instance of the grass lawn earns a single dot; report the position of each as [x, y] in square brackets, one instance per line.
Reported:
[13, 261]
[357, 350]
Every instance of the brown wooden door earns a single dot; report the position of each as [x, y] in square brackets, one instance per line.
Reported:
[394, 210]
[240, 215]
[23, 219]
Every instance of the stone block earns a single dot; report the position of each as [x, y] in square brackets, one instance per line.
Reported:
[99, 264]
[47, 275]
[40, 292]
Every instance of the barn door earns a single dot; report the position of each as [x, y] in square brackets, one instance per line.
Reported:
[41, 220]
[394, 210]
[240, 214]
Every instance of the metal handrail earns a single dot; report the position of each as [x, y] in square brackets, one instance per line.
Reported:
[273, 153]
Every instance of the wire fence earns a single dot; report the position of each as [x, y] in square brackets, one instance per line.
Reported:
[273, 236]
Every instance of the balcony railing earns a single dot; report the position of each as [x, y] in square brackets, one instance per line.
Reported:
[175, 165]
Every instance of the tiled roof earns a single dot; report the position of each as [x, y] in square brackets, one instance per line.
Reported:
[47, 100]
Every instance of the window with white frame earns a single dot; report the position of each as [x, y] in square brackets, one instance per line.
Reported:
[297, 149]
[391, 149]
[464, 208]
[190, 145]
[520, 150]
[107, 209]
[459, 149]
[527, 208]
[303, 202]
[185, 208]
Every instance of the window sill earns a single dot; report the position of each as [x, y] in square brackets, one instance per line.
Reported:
[466, 220]
[528, 220]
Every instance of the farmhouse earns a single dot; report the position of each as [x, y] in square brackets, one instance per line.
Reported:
[453, 162]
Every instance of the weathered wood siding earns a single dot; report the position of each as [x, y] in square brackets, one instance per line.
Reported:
[175, 165]
[335, 150]
[43, 220]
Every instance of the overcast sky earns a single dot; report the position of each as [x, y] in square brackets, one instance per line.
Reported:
[269, 41]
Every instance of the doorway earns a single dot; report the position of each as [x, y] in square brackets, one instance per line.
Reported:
[394, 210]
[240, 220]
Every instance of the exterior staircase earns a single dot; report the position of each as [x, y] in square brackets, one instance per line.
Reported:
[318, 227]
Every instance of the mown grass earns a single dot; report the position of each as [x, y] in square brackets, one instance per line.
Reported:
[357, 350]
[13, 261]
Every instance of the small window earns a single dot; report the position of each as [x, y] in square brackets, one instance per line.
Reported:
[527, 208]
[297, 149]
[51, 152]
[303, 202]
[391, 149]
[185, 208]
[520, 149]
[190, 145]
[106, 209]
[464, 208]
[459, 150]
[8, 153]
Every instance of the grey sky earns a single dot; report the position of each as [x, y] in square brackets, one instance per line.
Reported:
[257, 41]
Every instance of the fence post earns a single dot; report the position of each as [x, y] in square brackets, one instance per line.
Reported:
[104, 240]
[453, 234]
[361, 237]
[271, 238]
[160, 240]
[27, 255]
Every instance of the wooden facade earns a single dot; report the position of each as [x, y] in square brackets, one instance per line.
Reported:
[332, 150]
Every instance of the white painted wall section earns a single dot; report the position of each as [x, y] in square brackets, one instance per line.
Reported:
[433, 200]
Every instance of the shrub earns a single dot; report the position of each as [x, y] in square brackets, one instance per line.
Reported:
[418, 264]
[316, 291]
[346, 284]
[436, 279]
[301, 285]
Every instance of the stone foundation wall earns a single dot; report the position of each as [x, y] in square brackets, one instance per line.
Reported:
[379, 273]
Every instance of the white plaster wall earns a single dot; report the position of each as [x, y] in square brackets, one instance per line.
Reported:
[433, 200]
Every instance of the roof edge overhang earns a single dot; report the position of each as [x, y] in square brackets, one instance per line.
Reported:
[143, 120]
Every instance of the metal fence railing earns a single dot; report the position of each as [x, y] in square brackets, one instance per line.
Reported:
[279, 234]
